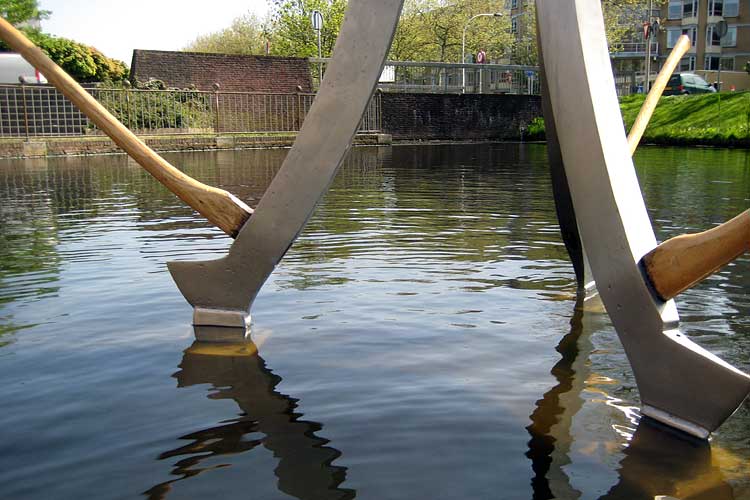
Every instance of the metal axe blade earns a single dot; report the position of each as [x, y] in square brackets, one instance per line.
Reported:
[680, 383]
[223, 290]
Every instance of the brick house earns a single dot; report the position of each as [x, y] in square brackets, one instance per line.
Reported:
[233, 73]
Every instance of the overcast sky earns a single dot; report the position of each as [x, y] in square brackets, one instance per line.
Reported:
[116, 27]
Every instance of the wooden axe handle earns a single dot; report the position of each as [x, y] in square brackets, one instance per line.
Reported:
[681, 262]
[641, 122]
[218, 206]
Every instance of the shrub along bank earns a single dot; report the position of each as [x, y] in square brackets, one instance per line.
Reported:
[708, 119]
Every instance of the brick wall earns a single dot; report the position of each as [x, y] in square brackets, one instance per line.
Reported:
[457, 116]
[234, 73]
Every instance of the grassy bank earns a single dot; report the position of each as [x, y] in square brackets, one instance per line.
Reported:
[690, 120]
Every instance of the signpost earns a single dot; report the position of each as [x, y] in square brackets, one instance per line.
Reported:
[530, 81]
[721, 29]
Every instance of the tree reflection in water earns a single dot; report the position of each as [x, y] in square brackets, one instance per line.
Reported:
[237, 372]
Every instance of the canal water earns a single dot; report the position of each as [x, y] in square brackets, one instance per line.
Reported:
[421, 340]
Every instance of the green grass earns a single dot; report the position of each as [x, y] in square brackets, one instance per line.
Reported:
[694, 119]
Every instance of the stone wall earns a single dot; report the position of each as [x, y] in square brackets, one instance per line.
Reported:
[233, 73]
[87, 145]
[461, 117]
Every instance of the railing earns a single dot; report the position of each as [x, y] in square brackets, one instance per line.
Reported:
[34, 111]
[632, 82]
[447, 78]
[630, 49]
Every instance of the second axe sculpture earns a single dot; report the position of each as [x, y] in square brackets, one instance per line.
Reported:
[680, 384]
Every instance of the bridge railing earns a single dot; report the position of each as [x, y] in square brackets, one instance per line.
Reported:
[42, 111]
[450, 78]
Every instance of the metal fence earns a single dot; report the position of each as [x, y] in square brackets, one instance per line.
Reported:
[435, 77]
[632, 82]
[33, 111]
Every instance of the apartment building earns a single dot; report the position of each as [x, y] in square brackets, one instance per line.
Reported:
[698, 19]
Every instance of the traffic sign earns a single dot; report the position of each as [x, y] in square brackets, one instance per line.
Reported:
[317, 20]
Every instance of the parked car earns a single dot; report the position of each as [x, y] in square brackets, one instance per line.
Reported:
[687, 83]
[15, 69]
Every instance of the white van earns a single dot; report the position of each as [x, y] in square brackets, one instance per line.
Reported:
[15, 69]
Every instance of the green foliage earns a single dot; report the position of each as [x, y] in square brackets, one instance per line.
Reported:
[429, 30]
[290, 28]
[432, 30]
[20, 11]
[246, 35]
[685, 120]
[535, 130]
[83, 63]
[143, 109]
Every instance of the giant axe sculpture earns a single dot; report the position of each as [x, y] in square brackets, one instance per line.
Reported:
[588, 139]
[604, 212]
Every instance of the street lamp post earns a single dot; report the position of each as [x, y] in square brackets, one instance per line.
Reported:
[317, 22]
[463, 45]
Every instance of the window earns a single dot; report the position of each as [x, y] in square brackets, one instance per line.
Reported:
[690, 8]
[674, 33]
[513, 4]
[687, 63]
[713, 40]
[715, 7]
[514, 24]
[675, 9]
[730, 40]
[726, 8]
[672, 36]
[712, 63]
[712, 37]
[731, 8]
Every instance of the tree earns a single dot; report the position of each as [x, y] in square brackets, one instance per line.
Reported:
[432, 30]
[429, 30]
[291, 31]
[21, 11]
[83, 63]
[524, 47]
[246, 35]
[623, 20]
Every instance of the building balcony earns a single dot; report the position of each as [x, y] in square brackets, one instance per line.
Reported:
[632, 49]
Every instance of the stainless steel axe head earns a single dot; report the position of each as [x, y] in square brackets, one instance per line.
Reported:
[222, 291]
[680, 383]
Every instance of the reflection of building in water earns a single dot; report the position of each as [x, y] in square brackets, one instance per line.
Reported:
[305, 469]
[657, 460]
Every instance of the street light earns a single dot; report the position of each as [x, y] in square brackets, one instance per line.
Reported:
[463, 45]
